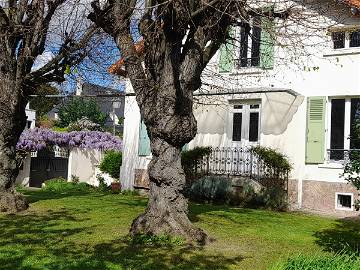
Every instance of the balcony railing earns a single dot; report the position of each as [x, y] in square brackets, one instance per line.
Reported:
[342, 156]
[241, 162]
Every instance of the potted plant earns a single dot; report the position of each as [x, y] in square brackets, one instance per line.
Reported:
[116, 186]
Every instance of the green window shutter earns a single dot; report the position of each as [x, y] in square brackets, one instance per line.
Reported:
[267, 44]
[226, 62]
[185, 147]
[144, 141]
[315, 136]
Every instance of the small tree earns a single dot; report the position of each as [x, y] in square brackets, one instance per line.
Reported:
[352, 169]
[78, 108]
[42, 104]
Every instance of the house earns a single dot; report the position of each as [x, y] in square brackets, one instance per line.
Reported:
[301, 99]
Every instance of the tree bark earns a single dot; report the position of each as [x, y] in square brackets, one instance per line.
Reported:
[12, 123]
[167, 209]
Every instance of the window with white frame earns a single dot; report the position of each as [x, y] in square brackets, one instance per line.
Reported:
[246, 122]
[250, 36]
[346, 39]
[344, 114]
[344, 201]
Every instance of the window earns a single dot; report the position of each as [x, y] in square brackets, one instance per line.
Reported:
[344, 114]
[346, 39]
[339, 40]
[246, 122]
[250, 35]
[344, 201]
[28, 124]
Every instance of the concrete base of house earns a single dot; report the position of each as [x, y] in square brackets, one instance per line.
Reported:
[322, 197]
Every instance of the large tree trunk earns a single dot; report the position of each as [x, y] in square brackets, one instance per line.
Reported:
[171, 124]
[12, 123]
[167, 208]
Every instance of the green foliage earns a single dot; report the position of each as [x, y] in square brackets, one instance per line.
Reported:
[78, 108]
[43, 104]
[102, 185]
[211, 189]
[340, 261]
[273, 198]
[352, 169]
[61, 185]
[75, 179]
[60, 129]
[156, 240]
[273, 159]
[190, 159]
[111, 163]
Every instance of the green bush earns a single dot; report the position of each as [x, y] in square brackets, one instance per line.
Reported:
[191, 158]
[111, 163]
[61, 185]
[273, 159]
[320, 262]
[214, 189]
[78, 108]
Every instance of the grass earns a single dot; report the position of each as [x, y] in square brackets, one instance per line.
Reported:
[88, 231]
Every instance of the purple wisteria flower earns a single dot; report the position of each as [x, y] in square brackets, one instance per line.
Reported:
[39, 138]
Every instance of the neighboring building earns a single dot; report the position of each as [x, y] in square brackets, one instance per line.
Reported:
[303, 104]
[24, 173]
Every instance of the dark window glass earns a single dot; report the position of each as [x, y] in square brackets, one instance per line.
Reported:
[344, 201]
[238, 106]
[254, 106]
[244, 39]
[254, 127]
[255, 47]
[354, 118]
[237, 123]
[29, 124]
[355, 39]
[337, 129]
[339, 40]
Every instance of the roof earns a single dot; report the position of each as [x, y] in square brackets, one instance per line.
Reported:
[353, 3]
[118, 67]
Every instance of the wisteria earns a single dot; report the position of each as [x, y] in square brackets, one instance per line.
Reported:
[40, 138]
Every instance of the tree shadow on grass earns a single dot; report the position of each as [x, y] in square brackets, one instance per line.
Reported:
[59, 240]
[344, 237]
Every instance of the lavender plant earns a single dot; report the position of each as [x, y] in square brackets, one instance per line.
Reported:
[40, 138]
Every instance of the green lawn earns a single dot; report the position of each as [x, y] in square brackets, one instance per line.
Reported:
[88, 231]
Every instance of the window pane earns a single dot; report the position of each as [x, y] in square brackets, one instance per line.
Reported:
[337, 128]
[238, 106]
[254, 127]
[255, 47]
[355, 118]
[344, 201]
[339, 40]
[355, 39]
[244, 39]
[237, 123]
[254, 106]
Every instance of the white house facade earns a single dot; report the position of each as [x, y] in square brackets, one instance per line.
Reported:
[301, 99]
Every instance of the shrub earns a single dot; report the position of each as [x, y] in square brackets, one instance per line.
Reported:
[102, 184]
[352, 169]
[84, 124]
[191, 158]
[214, 189]
[340, 261]
[77, 108]
[111, 163]
[61, 185]
[273, 159]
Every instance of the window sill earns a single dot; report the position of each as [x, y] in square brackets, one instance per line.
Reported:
[247, 71]
[344, 208]
[345, 51]
[331, 165]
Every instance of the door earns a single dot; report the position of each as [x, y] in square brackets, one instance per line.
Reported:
[47, 166]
